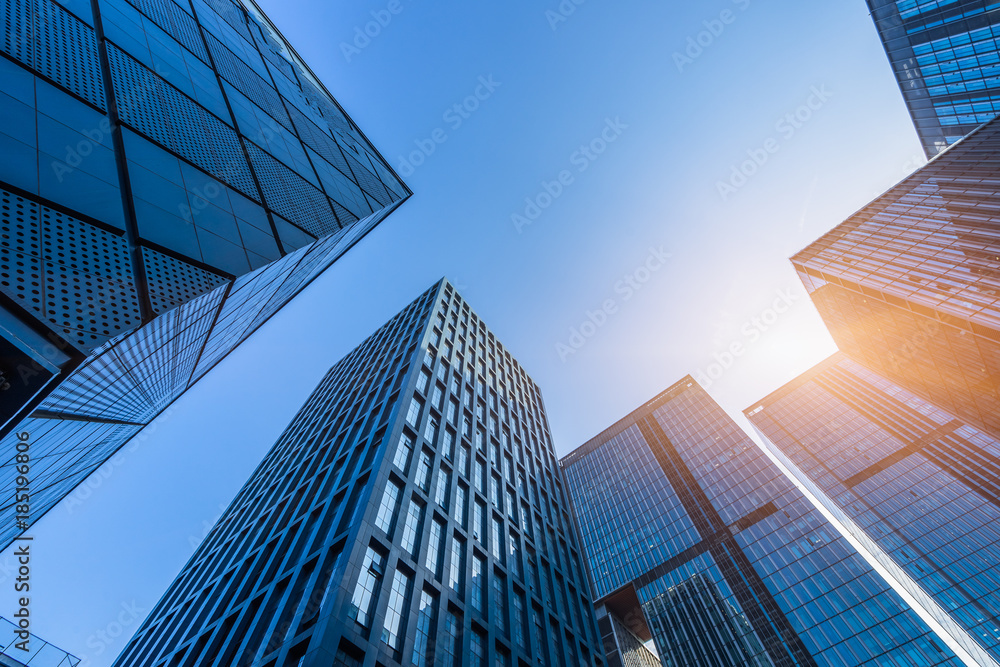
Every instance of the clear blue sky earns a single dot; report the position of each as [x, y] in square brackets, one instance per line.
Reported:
[678, 126]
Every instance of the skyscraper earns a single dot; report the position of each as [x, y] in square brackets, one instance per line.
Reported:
[172, 174]
[946, 58]
[413, 513]
[909, 286]
[923, 486]
[693, 537]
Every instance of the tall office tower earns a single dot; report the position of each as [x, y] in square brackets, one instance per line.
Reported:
[919, 487]
[946, 58]
[910, 285]
[172, 174]
[694, 538]
[18, 650]
[413, 513]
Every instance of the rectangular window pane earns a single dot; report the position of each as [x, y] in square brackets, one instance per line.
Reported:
[395, 614]
[411, 529]
[366, 590]
[387, 510]
[423, 647]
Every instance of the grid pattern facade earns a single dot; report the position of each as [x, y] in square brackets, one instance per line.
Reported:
[910, 285]
[749, 573]
[413, 513]
[172, 174]
[922, 485]
[946, 57]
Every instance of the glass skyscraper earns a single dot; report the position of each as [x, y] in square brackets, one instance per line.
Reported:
[946, 57]
[694, 538]
[919, 486]
[413, 513]
[909, 286]
[172, 174]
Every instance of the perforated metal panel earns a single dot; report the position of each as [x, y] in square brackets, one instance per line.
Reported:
[346, 217]
[50, 40]
[175, 21]
[75, 276]
[17, 24]
[161, 112]
[248, 82]
[173, 282]
[291, 196]
[368, 181]
[319, 141]
[232, 15]
[20, 252]
[89, 287]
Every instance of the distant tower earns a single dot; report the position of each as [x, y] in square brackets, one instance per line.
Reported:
[413, 513]
[921, 485]
[694, 538]
[945, 57]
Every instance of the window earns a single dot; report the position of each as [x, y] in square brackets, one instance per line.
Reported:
[424, 471]
[451, 646]
[395, 614]
[413, 414]
[423, 379]
[479, 522]
[519, 620]
[453, 412]
[457, 570]
[479, 477]
[434, 553]
[403, 451]
[477, 650]
[478, 584]
[411, 529]
[443, 487]
[495, 492]
[438, 396]
[430, 431]
[461, 497]
[448, 444]
[422, 644]
[463, 460]
[541, 645]
[497, 542]
[387, 510]
[515, 554]
[500, 603]
[366, 590]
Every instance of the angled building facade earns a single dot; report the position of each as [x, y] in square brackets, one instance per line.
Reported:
[921, 485]
[695, 539]
[413, 513]
[20, 648]
[946, 58]
[172, 174]
[909, 286]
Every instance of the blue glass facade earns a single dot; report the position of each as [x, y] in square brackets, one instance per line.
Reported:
[172, 174]
[909, 286]
[413, 513]
[919, 483]
[694, 538]
[946, 57]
